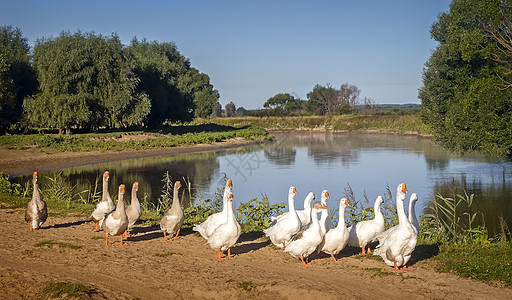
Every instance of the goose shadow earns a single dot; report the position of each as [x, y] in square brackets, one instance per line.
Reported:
[246, 248]
[423, 252]
[147, 233]
[65, 225]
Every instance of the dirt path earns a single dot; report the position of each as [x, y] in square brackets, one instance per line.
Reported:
[150, 268]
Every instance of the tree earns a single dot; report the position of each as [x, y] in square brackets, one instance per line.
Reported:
[17, 77]
[326, 100]
[86, 80]
[282, 104]
[461, 97]
[230, 109]
[217, 110]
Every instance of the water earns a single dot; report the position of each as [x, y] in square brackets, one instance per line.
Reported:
[368, 163]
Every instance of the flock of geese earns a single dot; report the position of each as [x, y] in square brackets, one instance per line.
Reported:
[299, 232]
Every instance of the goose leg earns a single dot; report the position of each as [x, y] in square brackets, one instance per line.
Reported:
[176, 236]
[229, 254]
[334, 258]
[106, 240]
[121, 242]
[165, 236]
[369, 250]
[218, 255]
[363, 252]
[96, 228]
[396, 267]
[304, 262]
[406, 268]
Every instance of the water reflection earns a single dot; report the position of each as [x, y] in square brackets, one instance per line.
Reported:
[317, 161]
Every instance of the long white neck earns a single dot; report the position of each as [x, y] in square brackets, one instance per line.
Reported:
[376, 208]
[231, 219]
[291, 202]
[341, 219]
[105, 194]
[402, 218]
[412, 214]
[135, 200]
[323, 218]
[227, 190]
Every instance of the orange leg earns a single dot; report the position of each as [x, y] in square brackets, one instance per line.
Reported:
[305, 263]
[396, 267]
[96, 228]
[165, 236]
[284, 246]
[126, 234]
[30, 225]
[176, 236]
[229, 254]
[334, 258]
[121, 242]
[106, 240]
[369, 250]
[406, 268]
[363, 252]
[218, 255]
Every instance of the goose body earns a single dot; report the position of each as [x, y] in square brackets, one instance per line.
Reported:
[281, 232]
[226, 235]
[397, 243]
[364, 232]
[116, 222]
[105, 206]
[173, 217]
[133, 210]
[306, 241]
[36, 212]
[336, 239]
[304, 214]
[212, 222]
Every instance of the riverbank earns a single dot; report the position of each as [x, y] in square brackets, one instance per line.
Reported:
[67, 250]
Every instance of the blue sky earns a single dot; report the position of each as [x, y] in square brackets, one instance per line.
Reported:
[254, 50]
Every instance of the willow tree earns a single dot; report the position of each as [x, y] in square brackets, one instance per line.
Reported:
[462, 98]
[86, 80]
[17, 78]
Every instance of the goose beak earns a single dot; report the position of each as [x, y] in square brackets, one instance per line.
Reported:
[136, 185]
[122, 187]
[346, 202]
[327, 194]
[230, 183]
[294, 190]
[35, 174]
[231, 196]
[404, 189]
[107, 174]
[178, 184]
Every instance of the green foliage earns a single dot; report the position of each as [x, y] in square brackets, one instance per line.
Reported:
[230, 109]
[255, 214]
[86, 80]
[60, 195]
[17, 78]
[65, 289]
[247, 286]
[461, 97]
[453, 219]
[327, 100]
[8, 187]
[282, 105]
[488, 262]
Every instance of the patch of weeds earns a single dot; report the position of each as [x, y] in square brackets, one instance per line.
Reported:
[168, 253]
[247, 286]
[51, 243]
[378, 272]
[95, 237]
[68, 289]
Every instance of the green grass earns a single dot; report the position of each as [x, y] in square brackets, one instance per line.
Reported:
[489, 263]
[51, 243]
[168, 137]
[246, 285]
[165, 254]
[68, 289]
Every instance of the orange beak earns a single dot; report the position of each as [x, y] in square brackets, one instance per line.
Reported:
[327, 194]
[231, 196]
[122, 188]
[404, 189]
[178, 183]
[294, 190]
[230, 183]
[35, 174]
[137, 185]
[107, 174]
[346, 202]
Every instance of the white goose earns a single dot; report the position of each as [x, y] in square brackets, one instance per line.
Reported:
[173, 217]
[397, 243]
[336, 239]
[212, 222]
[281, 232]
[116, 222]
[306, 241]
[364, 232]
[304, 214]
[327, 225]
[133, 210]
[412, 213]
[226, 235]
[105, 206]
[36, 212]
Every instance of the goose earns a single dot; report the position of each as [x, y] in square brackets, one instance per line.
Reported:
[306, 241]
[282, 231]
[212, 222]
[412, 214]
[173, 217]
[105, 206]
[328, 223]
[36, 212]
[116, 222]
[336, 239]
[304, 215]
[397, 243]
[364, 232]
[133, 210]
[227, 234]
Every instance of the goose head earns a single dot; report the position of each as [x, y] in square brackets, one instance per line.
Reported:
[324, 196]
[34, 177]
[229, 184]
[343, 203]
[177, 185]
[414, 197]
[106, 176]
[292, 190]
[379, 201]
[401, 190]
[135, 186]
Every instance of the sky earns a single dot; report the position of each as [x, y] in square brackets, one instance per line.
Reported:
[253, 50]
